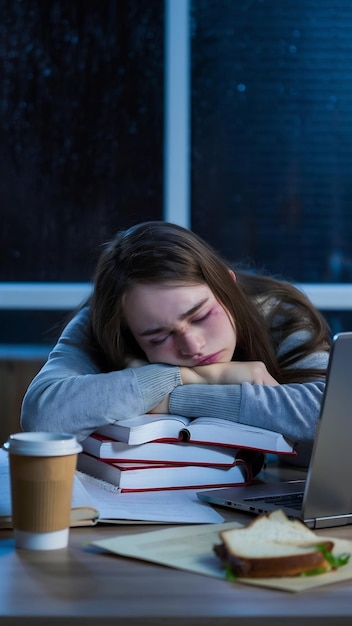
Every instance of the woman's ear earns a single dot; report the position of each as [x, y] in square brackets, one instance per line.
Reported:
[233, 275]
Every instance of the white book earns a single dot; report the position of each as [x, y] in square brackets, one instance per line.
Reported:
[158, 452]
[200, 430]
[132, 477]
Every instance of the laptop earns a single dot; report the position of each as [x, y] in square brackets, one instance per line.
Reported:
[324, 499]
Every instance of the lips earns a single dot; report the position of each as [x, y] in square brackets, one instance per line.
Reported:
[212, 358]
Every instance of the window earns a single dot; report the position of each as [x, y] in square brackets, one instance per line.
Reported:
[238, 127]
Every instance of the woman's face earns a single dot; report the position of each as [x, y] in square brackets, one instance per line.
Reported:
[180, 324]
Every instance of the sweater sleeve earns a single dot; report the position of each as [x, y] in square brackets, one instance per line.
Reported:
[291, 409]
[71, 394]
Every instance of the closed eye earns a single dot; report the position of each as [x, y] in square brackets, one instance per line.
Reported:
[158, 342]
[201, 319]
[198, 320]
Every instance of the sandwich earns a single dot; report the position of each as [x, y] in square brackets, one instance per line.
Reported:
[274, 546]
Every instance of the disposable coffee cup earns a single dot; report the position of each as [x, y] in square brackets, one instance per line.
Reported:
[42, 468]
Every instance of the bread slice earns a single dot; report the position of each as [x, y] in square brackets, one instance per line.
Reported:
[272, 545]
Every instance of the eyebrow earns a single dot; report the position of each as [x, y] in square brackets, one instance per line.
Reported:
[189, 313]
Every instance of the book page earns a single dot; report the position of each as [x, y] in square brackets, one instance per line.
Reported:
[166, 506]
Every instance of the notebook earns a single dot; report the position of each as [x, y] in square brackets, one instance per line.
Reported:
[324, 499]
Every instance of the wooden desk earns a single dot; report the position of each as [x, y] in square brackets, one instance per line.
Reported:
[83, 585]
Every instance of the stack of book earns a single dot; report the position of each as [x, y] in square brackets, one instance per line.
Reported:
[151, 452]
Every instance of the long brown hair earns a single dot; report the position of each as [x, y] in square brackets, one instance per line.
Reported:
[265, 310]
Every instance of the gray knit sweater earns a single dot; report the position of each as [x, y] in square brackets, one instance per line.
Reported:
[71, 394]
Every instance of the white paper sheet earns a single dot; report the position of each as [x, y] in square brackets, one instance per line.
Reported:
[191, 548]
[168, 506]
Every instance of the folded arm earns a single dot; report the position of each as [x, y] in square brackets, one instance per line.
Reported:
[291, 409]
[71, 394]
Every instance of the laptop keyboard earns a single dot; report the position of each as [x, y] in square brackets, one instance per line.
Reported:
[292, 500]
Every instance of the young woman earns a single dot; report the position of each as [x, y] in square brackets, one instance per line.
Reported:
[170, 327]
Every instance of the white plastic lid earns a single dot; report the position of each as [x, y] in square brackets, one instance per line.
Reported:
[42, 444]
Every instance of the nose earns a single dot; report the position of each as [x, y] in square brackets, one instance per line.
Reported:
[190, 343]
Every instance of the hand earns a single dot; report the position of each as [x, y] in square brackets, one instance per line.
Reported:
[232, 373]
